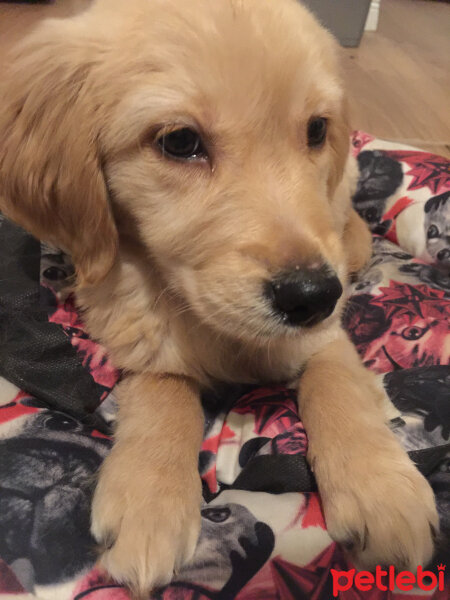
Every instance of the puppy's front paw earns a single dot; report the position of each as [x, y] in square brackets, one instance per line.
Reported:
[382, 510]
[147, 522]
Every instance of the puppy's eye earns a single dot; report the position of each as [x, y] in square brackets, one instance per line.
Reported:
[433, 232]
[182, 144]
[317, 131]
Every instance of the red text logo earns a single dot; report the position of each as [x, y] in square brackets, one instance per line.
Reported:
[385, 580]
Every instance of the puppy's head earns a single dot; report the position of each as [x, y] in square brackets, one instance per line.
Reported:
[217, 128]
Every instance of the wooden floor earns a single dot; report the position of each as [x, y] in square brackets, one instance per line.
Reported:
[398, 79]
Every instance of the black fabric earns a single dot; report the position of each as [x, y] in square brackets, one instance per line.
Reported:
[277, 474]
[35, 354]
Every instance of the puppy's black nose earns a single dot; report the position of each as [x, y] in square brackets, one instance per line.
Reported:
[305, 296]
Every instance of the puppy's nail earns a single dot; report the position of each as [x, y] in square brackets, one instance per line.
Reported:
[106, 542]
[435, 535]
[365, 538]
[356, 542]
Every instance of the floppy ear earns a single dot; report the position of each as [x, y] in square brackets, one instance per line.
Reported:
[339, 140]
[51, 180]
[356, 236]
[357, 242]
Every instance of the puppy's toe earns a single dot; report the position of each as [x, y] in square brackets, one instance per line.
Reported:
[150, 545]
[145, 531]
[386, 518]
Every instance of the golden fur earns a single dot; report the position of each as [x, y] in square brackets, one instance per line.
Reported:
[170, 256]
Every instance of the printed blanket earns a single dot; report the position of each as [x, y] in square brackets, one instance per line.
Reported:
[263, 533]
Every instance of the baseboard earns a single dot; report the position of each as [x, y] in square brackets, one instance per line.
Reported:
[372, 17]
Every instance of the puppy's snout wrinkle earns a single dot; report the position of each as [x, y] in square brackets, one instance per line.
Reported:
[304, 296]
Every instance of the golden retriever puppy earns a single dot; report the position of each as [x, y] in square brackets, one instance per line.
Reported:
[192, 157]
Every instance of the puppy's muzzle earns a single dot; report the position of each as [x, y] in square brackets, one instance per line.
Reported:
[304, 296]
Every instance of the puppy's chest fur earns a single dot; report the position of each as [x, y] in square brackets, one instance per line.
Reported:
[145, 329]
